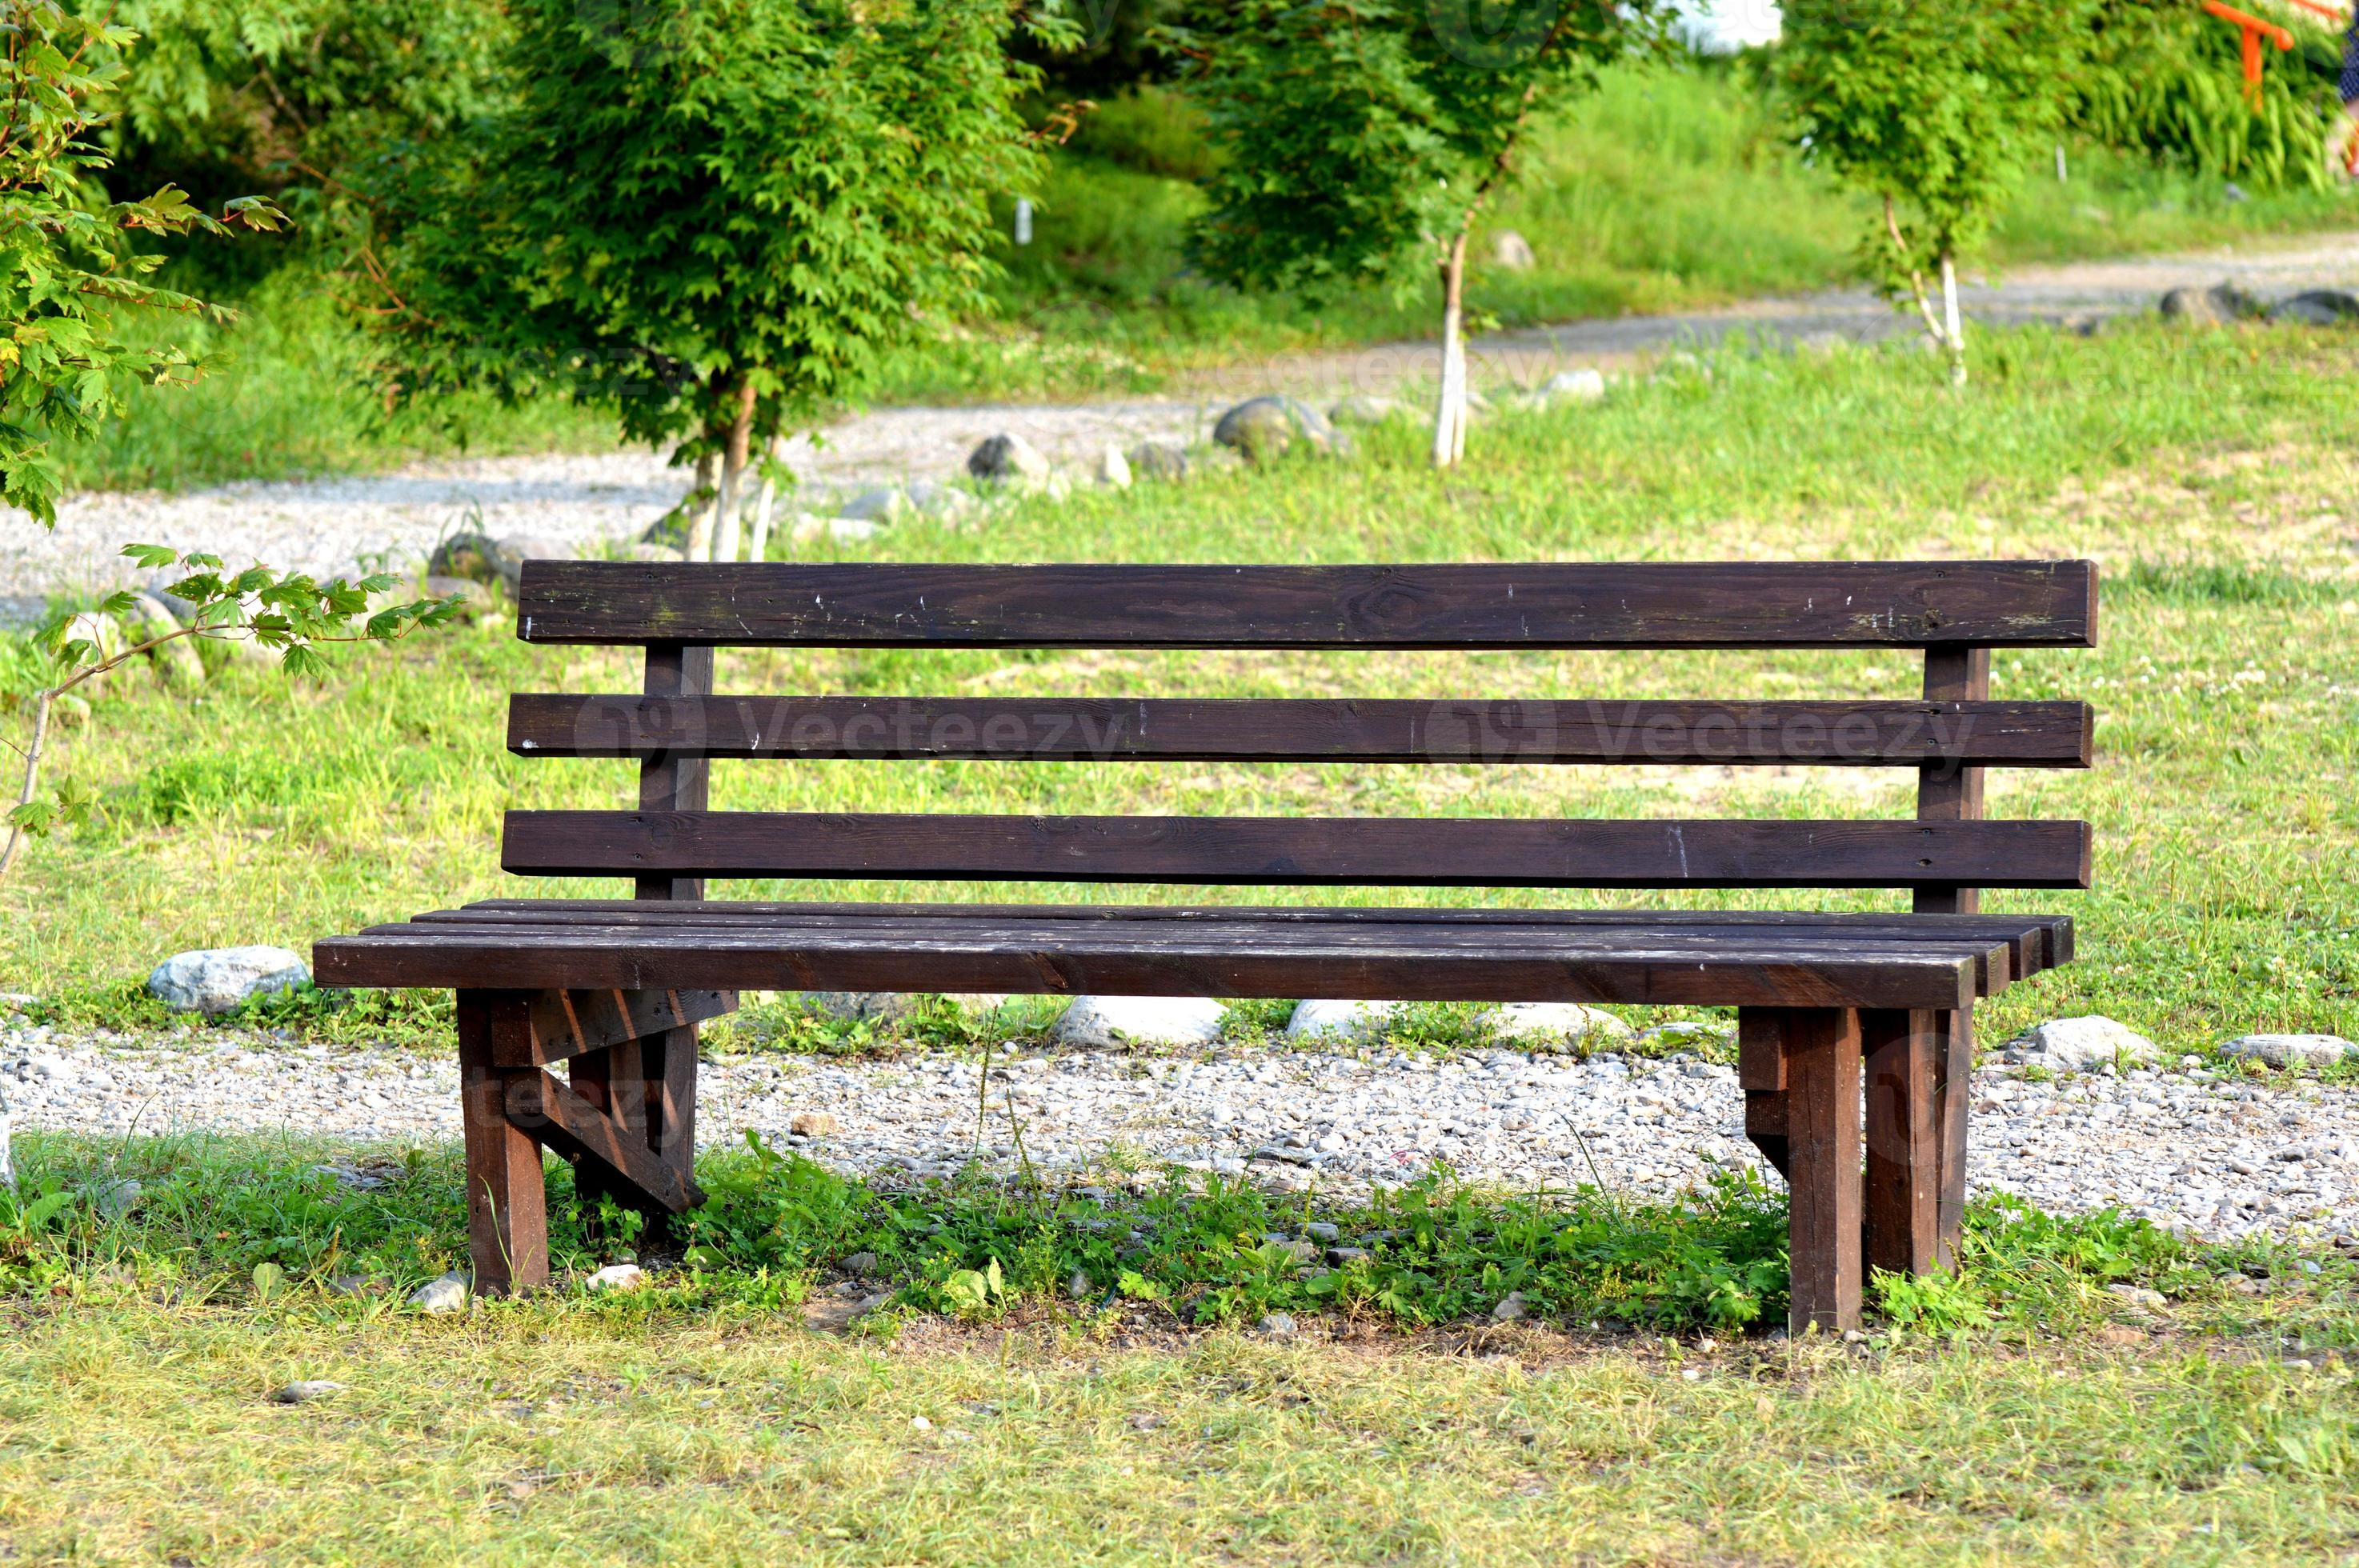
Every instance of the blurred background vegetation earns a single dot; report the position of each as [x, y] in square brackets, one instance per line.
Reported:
[1677, 185]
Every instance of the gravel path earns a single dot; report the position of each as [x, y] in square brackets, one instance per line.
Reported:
[332, 525]
[2219, 1158]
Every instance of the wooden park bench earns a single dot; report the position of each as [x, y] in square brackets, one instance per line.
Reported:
[1829, 1005]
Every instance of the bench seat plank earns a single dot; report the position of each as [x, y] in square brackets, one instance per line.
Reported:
[859, 947]
[2035, 942]
[1300, 852]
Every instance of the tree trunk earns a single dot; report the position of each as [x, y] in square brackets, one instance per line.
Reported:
[41, 705]
[700, 523]
[1450, 417]
[757, 548]
[1952, 327]
[732, 473]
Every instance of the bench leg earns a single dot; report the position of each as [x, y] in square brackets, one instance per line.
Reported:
[1902, 1066]
[507, 1221]
[1819, 1050]
[1761, 1072]
[1953, 1076]
[669, 1065]
[614, 1081]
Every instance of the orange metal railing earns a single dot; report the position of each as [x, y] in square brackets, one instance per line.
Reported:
[2254, 30]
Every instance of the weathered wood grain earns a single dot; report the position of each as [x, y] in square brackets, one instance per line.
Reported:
[1782, 604]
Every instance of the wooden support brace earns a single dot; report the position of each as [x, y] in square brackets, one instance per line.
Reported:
[570, 1124]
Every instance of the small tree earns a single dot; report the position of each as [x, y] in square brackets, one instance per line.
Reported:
[1366, 137]
[713, 216]
[77, 310]
[1934, 108]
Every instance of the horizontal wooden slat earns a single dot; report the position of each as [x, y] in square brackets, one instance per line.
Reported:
[1371, 962]
[1781, 604]
[2039, 941]
[1863, 734]
[1300, 851]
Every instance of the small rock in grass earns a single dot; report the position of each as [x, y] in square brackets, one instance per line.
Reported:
[881, 506]
[1339, 1019]
[2138, 1296]
[1512, 251]
[860, 1263]
[1103, 1022]
[947, 502]
[304, 1391]
[215, 980]
[1110, 467]
[1008, 458]
[1689, 1033]
[1320, 1230]
[437, 1297]
[1510, 1308]
[2078, 1044]
[1548, 1024]
[813, 1124]
[919, 1423]
[616, 1277]
[2213, 307]
[354, 1285]
[1337, 1257]
[1276, 1326]
[1365, 409]
[115, 1200]
[1161, 457]
[837, 530]
[2289, 1050]
[1077, 1285]
[1267, 427]
[856, 1007]
[1581, 386]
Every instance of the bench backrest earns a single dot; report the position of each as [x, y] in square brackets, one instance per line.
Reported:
[1954, 611]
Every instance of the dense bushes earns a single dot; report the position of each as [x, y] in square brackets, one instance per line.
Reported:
[2164, 78]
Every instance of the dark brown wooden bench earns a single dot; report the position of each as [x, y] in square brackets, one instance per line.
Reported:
[1831, 1007]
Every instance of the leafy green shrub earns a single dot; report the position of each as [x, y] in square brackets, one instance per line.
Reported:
[2164, 78]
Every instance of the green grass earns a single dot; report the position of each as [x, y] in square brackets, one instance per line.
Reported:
[2211, 475]
[701, 1421]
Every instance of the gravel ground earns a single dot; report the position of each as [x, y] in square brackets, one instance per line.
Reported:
[2218, 1157]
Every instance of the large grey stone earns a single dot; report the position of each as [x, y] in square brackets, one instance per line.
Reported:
[2213, 307]
[2290, 1050]
[1339, 1019]
[2318, 308]
[1008, 458]
[215, 981]
[1263, 428]
[1099, 1023]
[176, 661]
[488, 560]
[2077, 1044]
